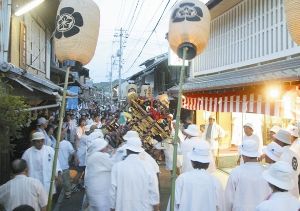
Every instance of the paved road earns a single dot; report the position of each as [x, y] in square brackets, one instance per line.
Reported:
[74, 204]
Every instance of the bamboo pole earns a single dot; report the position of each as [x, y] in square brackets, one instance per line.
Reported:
[175, 139]
[61, 116]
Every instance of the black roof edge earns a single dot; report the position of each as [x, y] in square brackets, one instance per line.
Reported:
[212, 3]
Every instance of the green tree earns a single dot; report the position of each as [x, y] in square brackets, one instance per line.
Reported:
[13, 116]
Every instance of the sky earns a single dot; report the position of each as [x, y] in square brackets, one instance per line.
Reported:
[117, 14]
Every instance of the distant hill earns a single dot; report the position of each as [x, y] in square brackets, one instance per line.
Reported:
[106, 85]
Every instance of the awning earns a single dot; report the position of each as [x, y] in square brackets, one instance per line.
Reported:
[285, 106]
[43, 107]
[243, 90]
[29, 81]
[284, 71]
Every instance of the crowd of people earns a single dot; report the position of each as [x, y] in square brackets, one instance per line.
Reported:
[126, 178]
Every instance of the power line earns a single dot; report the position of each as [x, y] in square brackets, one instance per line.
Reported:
[131, 20]
[138, 14]
[128, 16]
[138, 42]
[120, 12]
[148, 37]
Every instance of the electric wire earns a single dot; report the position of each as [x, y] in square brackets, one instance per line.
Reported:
[135, 9]
[141, 51]
[138, 42]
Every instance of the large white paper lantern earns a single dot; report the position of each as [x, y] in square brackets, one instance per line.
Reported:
[189, 27]
[131, 88]
[292, 12]
[77, 30]
[146, 91]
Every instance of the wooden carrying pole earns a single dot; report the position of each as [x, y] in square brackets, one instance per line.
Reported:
[175, 139]
[61, 117]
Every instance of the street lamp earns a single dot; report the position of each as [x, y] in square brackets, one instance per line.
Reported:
[273, 91]
[27, 7]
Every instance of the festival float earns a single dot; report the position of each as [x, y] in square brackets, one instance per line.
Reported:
[142, 113]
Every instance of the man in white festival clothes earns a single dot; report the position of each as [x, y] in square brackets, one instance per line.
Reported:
[280, 178]
[42, 125]
[98, 176]
[168, 148]
[66, 151]
[192, 140]
[39, 159]
[23, 189]
[272, 153]
[283, 138]
[246, 187]
[144, 156]
[134, 186]
[294, 131]
[213, 133]
[198, 189]
[249, 135]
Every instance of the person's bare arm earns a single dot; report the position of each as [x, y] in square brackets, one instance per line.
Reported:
[44, 208]
[156, 207]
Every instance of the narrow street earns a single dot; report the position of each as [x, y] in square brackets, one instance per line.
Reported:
[88, 86]
[75, 203]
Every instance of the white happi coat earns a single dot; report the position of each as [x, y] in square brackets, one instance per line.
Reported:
[119, 154]
[150, 161]
[98, 181]
[133, 186]
[246, 187]
[186, 147]
[23, 190]
[280, 201]
[40, 164]
[255, 138]
[296, 146]
[71, 126]
[293, 159]
[169, 148]
[198, 190]
[216, 132]
[85, 141]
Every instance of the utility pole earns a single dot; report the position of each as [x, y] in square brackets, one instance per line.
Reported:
[120, 55]
[120, 65]
[110, 78]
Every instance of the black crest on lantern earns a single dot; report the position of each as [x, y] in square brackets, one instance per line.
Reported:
[294, 163]
[187, 11]
[68, 23]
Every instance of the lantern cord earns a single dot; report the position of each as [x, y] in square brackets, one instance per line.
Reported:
[148, 37]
